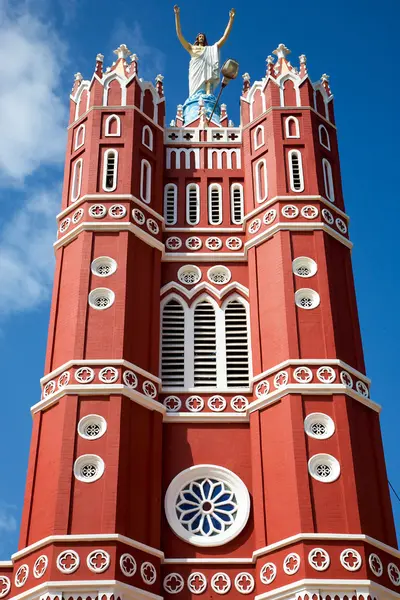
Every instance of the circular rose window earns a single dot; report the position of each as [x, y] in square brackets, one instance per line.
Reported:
[207, 505]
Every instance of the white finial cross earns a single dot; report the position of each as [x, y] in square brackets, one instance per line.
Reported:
[325, 77]
[281, 51]
[122, 51]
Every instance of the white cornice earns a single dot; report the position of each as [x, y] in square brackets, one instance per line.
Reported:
[109, 226]
[205, 417]
[300, 226]
[98, 362]
[204, 285]
[295, 199]
[311, 361]
[97, 587]
[110, 197]
[116, 108]
[323, 587]
[212, 257]
[207, 561]
[210, 230]
[284, 108]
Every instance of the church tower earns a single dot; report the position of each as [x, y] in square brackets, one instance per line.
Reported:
[205, 426]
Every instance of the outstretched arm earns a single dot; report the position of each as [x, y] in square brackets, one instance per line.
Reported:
[222, 41]
[182, 40]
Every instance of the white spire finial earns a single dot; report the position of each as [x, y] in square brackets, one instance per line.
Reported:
[303, 59]
[100, 58]
[78, 76]
[281, 51]
[325, 77]
[122, 51]
[159, 78]
[246, 77]
[269, 60]
[134, 57]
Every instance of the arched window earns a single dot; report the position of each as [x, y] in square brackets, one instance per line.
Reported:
[324, 137]
[258, 140]
[147, 137]
[173, 344]
[113, 126]
[215, 204]
[237, 207]
[261, 179]
[110, 170]
[79, 137]
[192, 203]
[328, 180]
[76, 180]
[170, 203]
[205, 345]
[145, 181]
[292, 129]
[237, 345]
[296, 171]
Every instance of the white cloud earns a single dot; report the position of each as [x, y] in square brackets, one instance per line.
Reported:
[32, 115]
[26, 255]
[8, 523]
[151, 59]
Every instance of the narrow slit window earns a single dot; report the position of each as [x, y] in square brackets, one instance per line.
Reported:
[237, 345]
[173, 345]
[145, 181]
[110, 170]
[328, 180]
[205, 346]
[76, 180]
[296, 171]
[215, 204]
[237, 204]
[193, 203]
[170, 203]
[261, 180]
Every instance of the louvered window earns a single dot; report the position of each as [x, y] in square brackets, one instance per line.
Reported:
[193, 204]
[205, 346]
[237, 203]
[215, 204]
[173, 345]
[110, 170]
[170, 203]
[237, 345]
[296, 171]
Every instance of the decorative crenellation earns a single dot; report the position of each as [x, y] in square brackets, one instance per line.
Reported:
[213, 403]
[203, 242]
[99, 375]
[220, 582]
[195, 135]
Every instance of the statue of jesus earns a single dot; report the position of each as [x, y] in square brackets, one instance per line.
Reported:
[204, 62]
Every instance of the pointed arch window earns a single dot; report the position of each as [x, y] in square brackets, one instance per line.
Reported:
[296, 171]
[258, 139]
[145, 181]
[113, 126]
[110, 170]
[147, 137]
[205, 345]
[324, 137]
[215, 204]
[237, 344]
[292, 128]
[79, 137]
[237, 204]
[170, 203]
[173, 344]
[261, 180]
[328, 180]
[76, 180]
[193, 203]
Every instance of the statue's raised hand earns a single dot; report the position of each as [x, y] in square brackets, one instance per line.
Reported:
[232, 13]
[176, 9]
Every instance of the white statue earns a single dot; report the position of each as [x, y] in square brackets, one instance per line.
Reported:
[204, 62]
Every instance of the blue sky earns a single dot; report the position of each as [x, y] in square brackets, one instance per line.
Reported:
[44, 42]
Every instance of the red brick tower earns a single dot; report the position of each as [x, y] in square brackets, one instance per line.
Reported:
[205, 426]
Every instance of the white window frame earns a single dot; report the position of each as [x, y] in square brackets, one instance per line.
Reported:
[257, 166]
[292, 187]
[297, 127]
[145, 187]
[150, 144]
[237, 186]
[320, 129]
[109, 119]
[191, 185]
[167, 188]
[211, 187]
[115, 174]
[76, 184]
[328, 180]
[79, 98]
[77, 134]
[222, 383]
[255, 143]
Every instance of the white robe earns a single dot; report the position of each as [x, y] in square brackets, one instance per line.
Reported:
[203, 66]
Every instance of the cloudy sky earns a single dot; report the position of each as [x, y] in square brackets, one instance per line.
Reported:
[43, 43]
